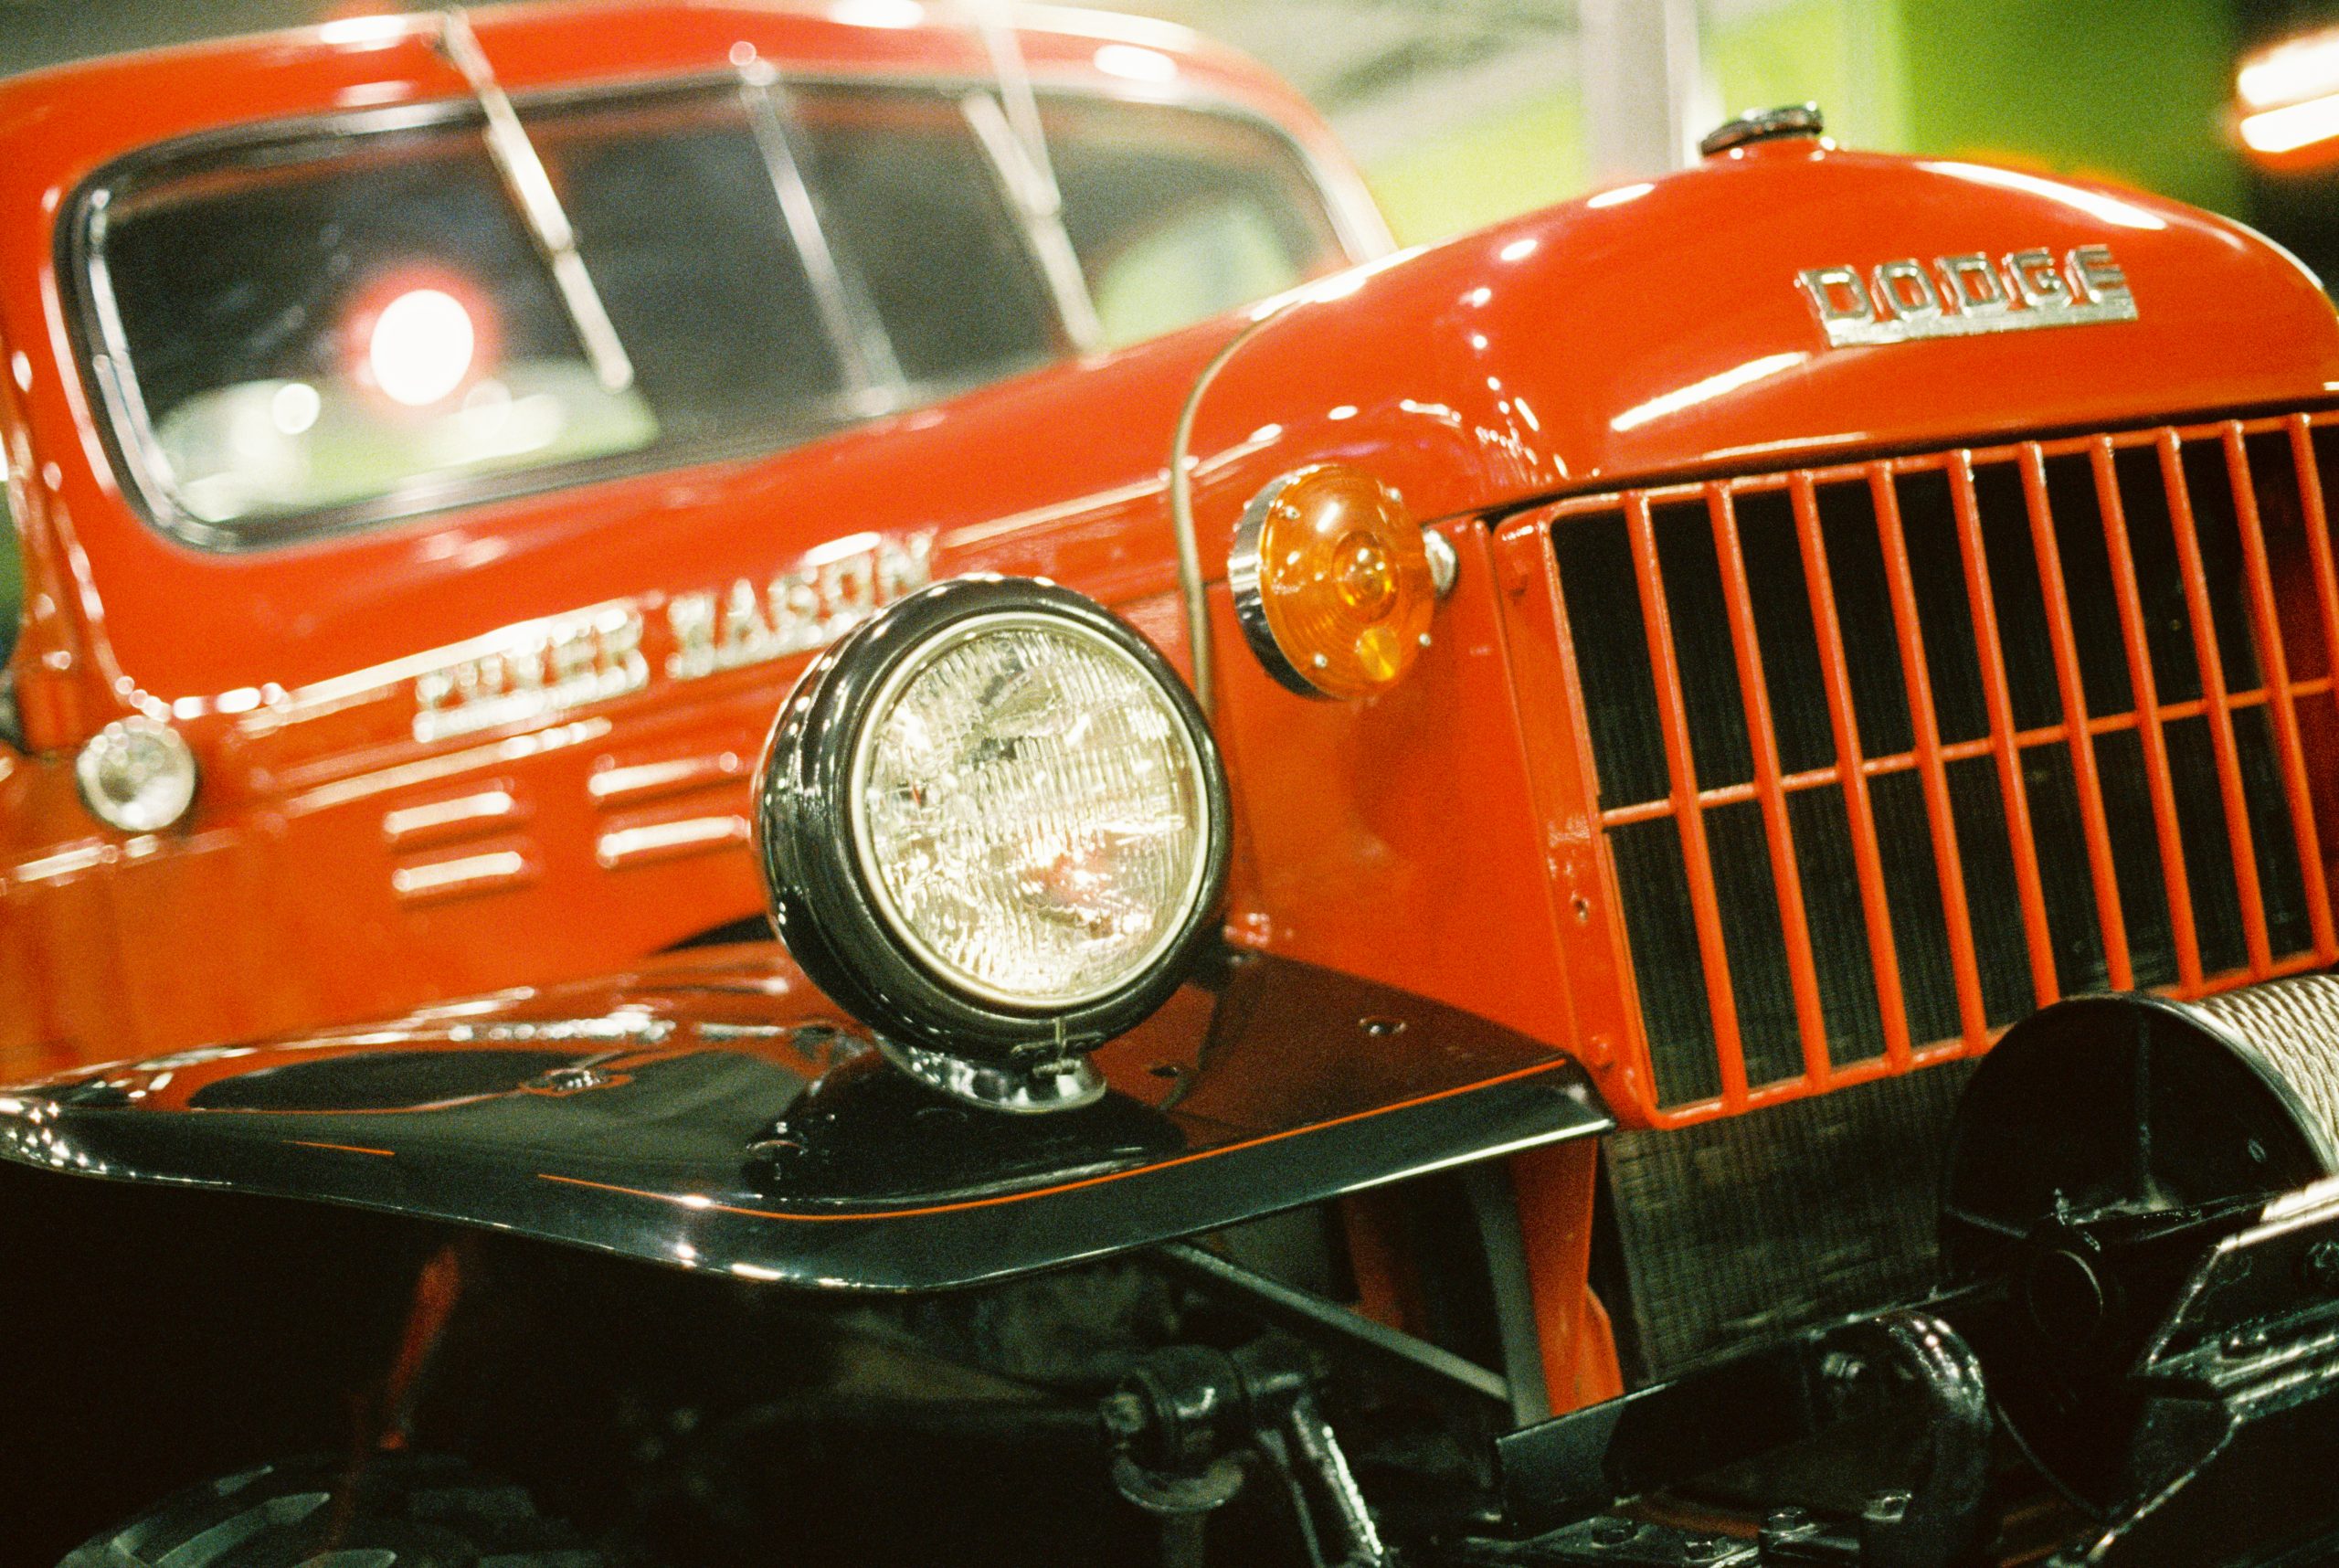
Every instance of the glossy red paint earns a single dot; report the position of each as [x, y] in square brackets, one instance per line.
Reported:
[1651, 332]
[395, 871]
[1656, 330]
[1646, 330]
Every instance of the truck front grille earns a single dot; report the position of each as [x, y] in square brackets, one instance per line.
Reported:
[1890, 754]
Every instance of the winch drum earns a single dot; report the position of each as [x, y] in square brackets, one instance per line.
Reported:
[2100, 1151]
[2137, 1099]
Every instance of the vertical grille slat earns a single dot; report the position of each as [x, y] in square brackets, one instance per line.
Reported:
[1999, 702]
[1619, 685]
[1851, 773]
[1771, 549]
[2004, 958]
[1849, 984]
[2070, 683]
[1888, 754]
[2317, 528]
[1684, 1064]
[2221, 555]
[2273, 831]
[1748, 893]
[2075, 920]
[2315, 524]
[1688, 812]
[2218, 718]
[1810, 1020]
[2159, 574]
[2082, 548]
[2203, 819]
[2159, 775]
[1972, 1010]
[1946, 605]
[2130, 811]
[1713, 699]
[2278, 488]
[2302, 848]
[1863, 592]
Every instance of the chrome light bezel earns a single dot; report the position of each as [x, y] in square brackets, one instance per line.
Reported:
[159, 799]
[830, 905]
[1249, 601]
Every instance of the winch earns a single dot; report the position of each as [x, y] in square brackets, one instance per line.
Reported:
[2140, 1235]
[2103, 1153]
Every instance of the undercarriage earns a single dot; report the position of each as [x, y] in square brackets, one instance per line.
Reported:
[2122, 1352]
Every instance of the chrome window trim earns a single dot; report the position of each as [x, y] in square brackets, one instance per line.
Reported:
[116, 390]
[93, 325]
[1006, 120]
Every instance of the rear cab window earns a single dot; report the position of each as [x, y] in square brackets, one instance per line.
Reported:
[318, 329]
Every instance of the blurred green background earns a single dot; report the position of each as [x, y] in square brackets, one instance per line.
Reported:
[2140, 104]
[2130, 91]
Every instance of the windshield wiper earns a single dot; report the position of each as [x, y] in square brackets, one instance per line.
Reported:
[856, 331]
[530, 185]
[1012, 135]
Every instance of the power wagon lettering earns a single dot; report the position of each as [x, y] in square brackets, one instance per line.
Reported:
[831, 590]
[544, 668]
[541, 668]
[1967, 294]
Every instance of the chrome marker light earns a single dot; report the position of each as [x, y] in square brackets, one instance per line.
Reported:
[993, 826]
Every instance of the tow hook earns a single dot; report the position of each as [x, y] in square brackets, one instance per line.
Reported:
[1188, 1423]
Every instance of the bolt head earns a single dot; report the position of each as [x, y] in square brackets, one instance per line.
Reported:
[1790, 1521]
[1842, 1368]
[1123, 1415]
[1886, 1508]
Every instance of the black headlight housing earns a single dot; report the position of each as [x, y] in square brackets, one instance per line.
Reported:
[812, 836]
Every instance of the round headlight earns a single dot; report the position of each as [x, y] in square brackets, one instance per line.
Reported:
[993, 823]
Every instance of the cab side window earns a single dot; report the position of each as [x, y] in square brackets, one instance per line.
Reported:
[673, 200]
[912, 200]
[1177, 216]
[331, 331]
[329, 322]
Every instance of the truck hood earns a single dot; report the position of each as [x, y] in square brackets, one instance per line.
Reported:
[1661, 328]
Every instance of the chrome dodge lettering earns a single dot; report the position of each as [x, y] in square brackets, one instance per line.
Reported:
[1966, 294]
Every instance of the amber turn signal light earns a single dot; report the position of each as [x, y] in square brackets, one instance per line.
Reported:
[1332, 582]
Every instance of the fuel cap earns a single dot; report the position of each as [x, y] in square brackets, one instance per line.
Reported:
[1763, 126]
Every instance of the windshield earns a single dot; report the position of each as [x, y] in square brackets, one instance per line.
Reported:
[326, 331]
